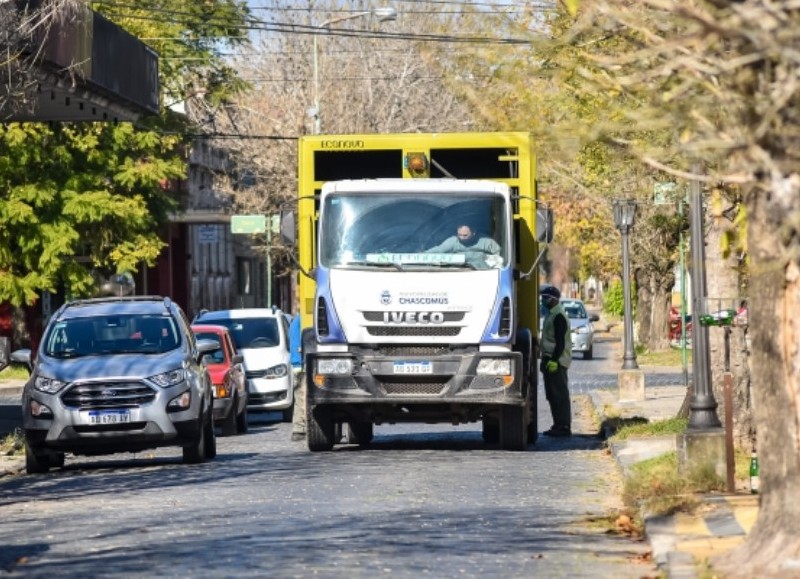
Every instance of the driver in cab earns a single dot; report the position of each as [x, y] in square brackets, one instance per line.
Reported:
[481, 252]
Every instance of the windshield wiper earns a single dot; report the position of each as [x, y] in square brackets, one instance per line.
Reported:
[454, 265]
[382, 264]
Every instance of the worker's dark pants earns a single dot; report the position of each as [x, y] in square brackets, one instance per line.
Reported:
[556, 389]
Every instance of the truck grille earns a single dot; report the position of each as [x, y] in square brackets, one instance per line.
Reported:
[406, 350]
[93, 395]
[416, 331]
[414, 388]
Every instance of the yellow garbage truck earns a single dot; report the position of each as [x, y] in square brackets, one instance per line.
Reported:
[419, 292]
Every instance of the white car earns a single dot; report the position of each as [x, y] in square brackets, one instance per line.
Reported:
[580, 321]
[261, 336]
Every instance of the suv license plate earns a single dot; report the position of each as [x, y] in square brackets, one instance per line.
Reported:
[425, 367]
[105, 416]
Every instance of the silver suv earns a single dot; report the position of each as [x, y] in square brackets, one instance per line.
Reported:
[117, 375]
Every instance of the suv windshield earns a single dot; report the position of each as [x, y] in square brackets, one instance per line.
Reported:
[248, 332]
[111, 334]
[405, 231]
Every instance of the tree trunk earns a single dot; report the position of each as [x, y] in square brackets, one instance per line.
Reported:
[722, 288]
[772, 548]
[653, 298]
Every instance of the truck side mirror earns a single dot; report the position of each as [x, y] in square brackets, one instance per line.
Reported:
[544, 225]
[288, 227]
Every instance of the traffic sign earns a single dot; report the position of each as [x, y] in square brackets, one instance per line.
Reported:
[248, 223]
[208, 234]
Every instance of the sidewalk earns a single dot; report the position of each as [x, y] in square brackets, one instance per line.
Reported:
[682, 544]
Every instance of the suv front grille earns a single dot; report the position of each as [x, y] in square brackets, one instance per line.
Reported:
[92, 395]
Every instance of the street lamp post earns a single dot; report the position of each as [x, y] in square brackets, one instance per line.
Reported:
[382, 14]
[702, 405]
[624, 215]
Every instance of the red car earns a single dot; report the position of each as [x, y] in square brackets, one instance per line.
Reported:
[227, 374]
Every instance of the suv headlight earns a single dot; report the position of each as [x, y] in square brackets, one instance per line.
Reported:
[587, 329]
[168, 379]
[48, 385]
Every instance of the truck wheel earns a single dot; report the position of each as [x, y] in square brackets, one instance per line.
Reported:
[587, 355]
[36, 461]
[533, 419]
[361, 433]
[56, 460]
[320, 428]
[513, 428]
[491, 430]
[229, 422]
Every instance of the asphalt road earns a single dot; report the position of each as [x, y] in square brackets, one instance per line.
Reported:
[422, 500]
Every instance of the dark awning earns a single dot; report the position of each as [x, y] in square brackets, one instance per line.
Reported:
[87, 69]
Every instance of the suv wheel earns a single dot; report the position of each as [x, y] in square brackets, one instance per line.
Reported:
[195, 453]
[36, 461]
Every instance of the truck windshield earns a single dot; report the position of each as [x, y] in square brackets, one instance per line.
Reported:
[409, 231]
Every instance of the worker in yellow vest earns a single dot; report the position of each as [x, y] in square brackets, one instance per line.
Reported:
[556, 359]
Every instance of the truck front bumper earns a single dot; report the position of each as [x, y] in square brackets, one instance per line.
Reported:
[405, 380]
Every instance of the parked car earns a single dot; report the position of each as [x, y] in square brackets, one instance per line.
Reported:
[580, 321]
[121, 374]
[226, 367]
[261, 335]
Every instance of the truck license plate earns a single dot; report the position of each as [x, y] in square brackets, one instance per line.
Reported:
[106, 416]
[422, 367]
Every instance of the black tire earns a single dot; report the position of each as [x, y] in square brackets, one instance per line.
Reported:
[195, 453]
[320, 428]
[242, 422]
[228, 426]
[533, 419]
[210, 442]
[36, 461]
[513, 428]
[57, 460]
[587, 355]
[361, 433]
[490, 430]
[288, 414]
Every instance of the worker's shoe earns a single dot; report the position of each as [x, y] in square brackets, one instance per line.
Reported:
[558, 431]
[298, 436]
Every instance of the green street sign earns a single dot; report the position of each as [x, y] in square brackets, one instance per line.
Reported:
[248, 223]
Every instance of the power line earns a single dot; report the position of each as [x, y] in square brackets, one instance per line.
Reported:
[292, 28]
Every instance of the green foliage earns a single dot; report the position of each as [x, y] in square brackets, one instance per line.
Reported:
[656, 486]
[651, 429]
[614, 299]
[86, 198]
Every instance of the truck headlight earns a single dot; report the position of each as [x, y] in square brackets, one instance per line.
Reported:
[494, 367]
[327, 366]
